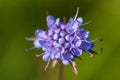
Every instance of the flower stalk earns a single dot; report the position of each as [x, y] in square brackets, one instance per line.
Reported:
[60, 75]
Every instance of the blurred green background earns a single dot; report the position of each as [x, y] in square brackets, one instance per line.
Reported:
[20, 18]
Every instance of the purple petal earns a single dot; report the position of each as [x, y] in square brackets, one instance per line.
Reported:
[69, 38]
[65, 62]
[62, 26]
[46, 56]
[57, 30]
[40, 34]
[62, 33]
[57, 56]
[50, 20]
[41, 42]
[57, 21]
[86, 45]
[78, 43]
[50, 32]
[77, 24]
[86, 34]
[55, 36]
[79, 20]
[38, 31]
[68, 55]
[76, 52]
[61, 40]
[70, 22]
[67, 45]
[37, 44]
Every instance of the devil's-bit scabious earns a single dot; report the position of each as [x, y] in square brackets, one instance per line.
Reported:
[63, 41]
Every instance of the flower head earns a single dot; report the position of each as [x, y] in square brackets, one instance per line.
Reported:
[63, 41]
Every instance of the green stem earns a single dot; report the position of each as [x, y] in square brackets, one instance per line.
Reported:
[60, 77]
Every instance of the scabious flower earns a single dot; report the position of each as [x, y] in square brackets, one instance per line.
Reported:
[63, 41]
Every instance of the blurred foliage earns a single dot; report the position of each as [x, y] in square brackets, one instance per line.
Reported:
[20, 18]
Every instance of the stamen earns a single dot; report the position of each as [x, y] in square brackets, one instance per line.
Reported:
[86, 23]
[101, 50]
[101, 40]
[46, 67]
[93, 52]
[30, 39]
[95, 40]
[47, 13]
[91, 55]
[78, 57]
[38, 55]
[53, 64]
[74, 67]
[28, 49]
[64, 19]
[76, 14]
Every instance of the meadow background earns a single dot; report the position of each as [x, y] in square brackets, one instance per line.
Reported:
[20, 18]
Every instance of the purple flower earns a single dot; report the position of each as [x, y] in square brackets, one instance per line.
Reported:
[63, 41]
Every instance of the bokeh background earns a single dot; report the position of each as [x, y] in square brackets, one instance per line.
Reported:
[20, 18]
